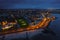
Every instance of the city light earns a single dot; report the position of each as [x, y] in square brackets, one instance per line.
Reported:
[19, 24]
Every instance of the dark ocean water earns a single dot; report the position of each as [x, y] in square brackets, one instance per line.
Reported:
[55, 26]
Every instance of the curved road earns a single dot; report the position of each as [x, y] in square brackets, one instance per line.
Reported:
[42, 24]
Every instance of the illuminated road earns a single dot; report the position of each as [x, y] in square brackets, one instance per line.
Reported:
[41, 24]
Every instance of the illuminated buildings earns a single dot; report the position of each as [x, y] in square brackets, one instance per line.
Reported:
[26, 20]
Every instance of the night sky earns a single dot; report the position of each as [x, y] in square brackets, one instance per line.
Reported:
[24, 4]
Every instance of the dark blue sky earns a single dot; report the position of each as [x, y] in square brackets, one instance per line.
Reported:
[36, 4]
